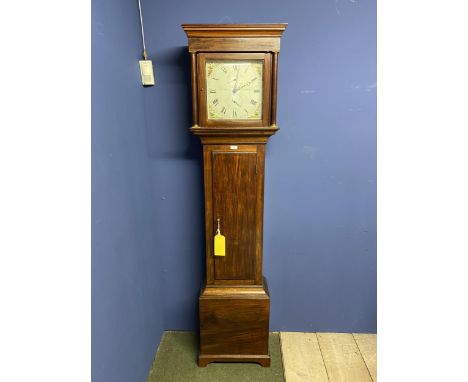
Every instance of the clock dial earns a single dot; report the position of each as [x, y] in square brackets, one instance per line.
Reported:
[234, 89]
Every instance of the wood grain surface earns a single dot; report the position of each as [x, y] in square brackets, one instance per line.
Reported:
[367, 344]
[302, 357]
[334, 357]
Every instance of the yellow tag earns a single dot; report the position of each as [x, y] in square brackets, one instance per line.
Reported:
[219, 245]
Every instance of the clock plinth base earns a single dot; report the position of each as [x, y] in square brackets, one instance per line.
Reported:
[263, 360]
[234, 324]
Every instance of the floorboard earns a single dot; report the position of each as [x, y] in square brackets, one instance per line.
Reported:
[367, 344]
[302, 359]
[342, 358]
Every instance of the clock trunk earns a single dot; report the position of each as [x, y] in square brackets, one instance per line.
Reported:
[234, 204]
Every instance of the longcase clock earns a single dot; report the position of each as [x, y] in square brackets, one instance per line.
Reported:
[234, 80]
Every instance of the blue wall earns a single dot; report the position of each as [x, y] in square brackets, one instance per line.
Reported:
[320, 187]
[127, 306]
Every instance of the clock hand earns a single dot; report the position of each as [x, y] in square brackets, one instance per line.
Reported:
[237, 89]
[247, 84]
[236, 103]
[234, 90]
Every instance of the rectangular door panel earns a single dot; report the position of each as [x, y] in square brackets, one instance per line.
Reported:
[235, 204]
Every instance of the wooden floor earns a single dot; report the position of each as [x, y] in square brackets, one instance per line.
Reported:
[329, 357]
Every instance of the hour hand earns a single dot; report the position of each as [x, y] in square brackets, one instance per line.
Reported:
[236, 103]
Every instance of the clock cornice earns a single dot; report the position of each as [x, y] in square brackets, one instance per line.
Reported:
[234, 30]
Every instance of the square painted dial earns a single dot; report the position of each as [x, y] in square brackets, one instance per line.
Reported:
[234, 89]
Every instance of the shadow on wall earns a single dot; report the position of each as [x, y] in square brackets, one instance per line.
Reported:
[176, 157]
[167, 131]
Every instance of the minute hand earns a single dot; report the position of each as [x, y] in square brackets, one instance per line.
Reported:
[243, 86]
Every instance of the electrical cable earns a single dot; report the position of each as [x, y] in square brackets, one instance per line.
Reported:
[142, 31]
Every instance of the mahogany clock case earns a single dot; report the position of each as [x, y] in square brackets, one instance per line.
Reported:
[234, 303]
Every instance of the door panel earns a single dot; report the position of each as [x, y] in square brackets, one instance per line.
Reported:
[235, 204]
